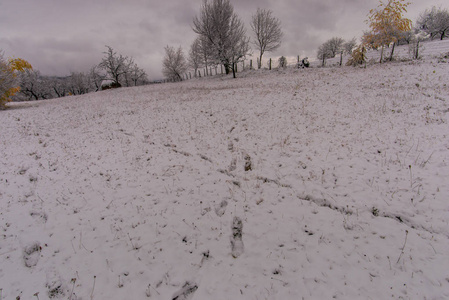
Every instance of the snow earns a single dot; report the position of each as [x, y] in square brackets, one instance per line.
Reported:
[311, 183]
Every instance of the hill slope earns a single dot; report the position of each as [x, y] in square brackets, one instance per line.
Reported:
[312, 184]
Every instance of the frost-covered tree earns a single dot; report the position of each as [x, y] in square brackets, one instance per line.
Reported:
[349, 46]
[267, 32]
[95, 78]
[224, 32]
[434, 22]
[137, 75]
[78, 83]
[334, 45]
[330, 48]
[34, 86]
[59, 85]
[195, 59]
[200, 54]
[174, 63]
[115, 65]
[323, 53]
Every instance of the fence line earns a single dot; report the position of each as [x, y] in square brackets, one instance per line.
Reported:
[267, 63]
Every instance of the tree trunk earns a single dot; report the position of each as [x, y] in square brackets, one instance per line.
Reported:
[381, 54]
[227, 68]
[417, 50]
[259, 63]
[392, 51]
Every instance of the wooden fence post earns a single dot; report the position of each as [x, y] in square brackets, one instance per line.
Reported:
[269, 65]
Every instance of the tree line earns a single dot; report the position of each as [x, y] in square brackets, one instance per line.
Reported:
[222, 38]
[114, 70]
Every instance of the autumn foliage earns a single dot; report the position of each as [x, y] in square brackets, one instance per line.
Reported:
[8, 73]
[358, 56]
[387, 24]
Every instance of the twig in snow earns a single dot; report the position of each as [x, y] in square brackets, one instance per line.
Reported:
[403, 247]
[411, 177]
[73, 288]
[424, 163]
[93, 288]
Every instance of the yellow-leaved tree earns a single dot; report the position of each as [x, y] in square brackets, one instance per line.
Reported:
[8, 73]
[387, 24]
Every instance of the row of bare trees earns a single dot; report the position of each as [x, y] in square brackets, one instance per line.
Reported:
[222, 40]
[114, 70]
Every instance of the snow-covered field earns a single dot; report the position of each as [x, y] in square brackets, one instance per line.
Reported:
[295, 184]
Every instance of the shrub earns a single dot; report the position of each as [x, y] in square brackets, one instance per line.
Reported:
[282, 62]
[358, 56]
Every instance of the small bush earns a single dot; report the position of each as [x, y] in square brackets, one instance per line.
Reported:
[358, 57]
[282, 62]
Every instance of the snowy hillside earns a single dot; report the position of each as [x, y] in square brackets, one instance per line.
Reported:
[318, 183]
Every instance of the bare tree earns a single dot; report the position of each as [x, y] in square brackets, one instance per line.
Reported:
[200, 54]
[95, 78]
[349, 46]
[174, 63]
[334, 45]
[34, 86]
[195, 59]
[137, 75]
[330, 48]
[78, 83]
[115, 65]
[434, 22]
[59, 86]
[224, 32]
[267, 30]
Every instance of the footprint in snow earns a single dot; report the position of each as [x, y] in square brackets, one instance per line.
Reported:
[221, 208]
[31, 254]
[236, 238]
[39, 216]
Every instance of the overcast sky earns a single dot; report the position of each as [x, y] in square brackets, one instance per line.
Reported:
[61, 36]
